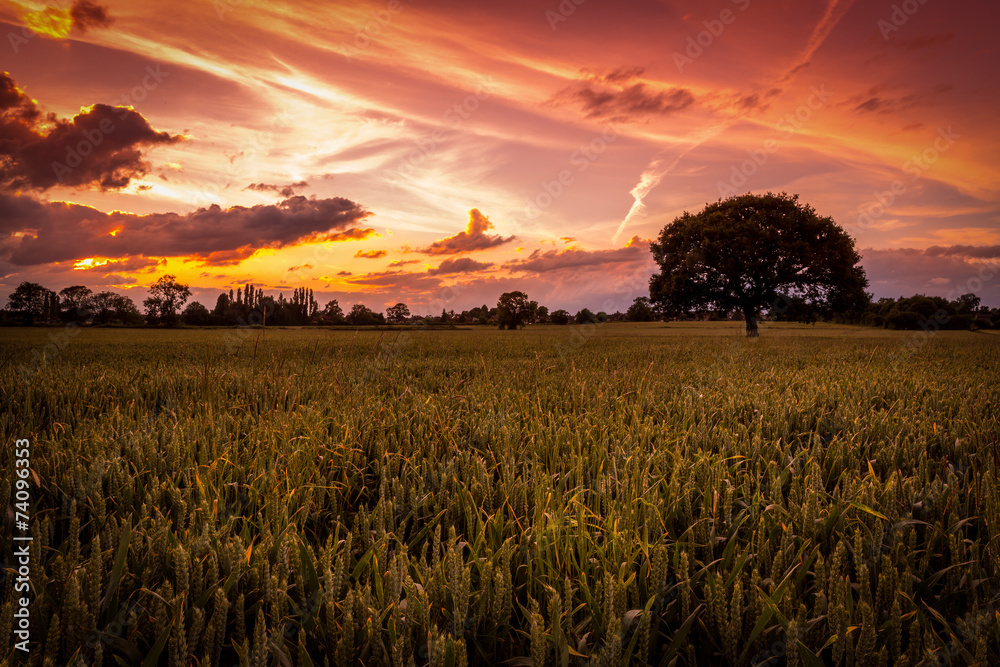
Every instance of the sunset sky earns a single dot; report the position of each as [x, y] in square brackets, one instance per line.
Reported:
[443, 152]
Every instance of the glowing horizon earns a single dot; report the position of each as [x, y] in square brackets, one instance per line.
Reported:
[438, 152]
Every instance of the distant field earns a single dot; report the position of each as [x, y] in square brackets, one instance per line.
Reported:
[621, 493]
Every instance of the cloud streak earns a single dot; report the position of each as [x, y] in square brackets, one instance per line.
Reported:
[636, 251]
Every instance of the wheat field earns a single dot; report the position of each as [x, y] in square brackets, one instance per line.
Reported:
[655, 494]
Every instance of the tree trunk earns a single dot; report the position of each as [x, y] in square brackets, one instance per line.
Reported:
[751, 320]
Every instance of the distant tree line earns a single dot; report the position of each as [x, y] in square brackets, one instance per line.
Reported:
[905, 313]
[31, 303]
[922, 312]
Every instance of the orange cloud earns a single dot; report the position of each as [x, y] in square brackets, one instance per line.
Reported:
[472, 239]
[356, 234]
[370, 254]
[459, 265]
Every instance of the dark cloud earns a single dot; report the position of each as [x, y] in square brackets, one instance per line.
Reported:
[974, 251]
[750, 102]
[621, 74]
[877, 99]
[795, 70]
[37, 232]
[102, 145]
[923, 41]
[617, 96]
[233, 257]
[871, 104]
[472, 239]
[370, 254]
[283, 190]
[117, 280]
[344, 273]
[299, 267]
[86, 15]
[459, 265]
[637, 250]
[356, 234]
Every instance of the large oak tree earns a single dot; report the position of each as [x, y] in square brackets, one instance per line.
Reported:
[754, 252]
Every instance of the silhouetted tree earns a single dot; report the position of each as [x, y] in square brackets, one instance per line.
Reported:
[794, 309]
[167, 296]
[513, 310]
[398, 313]
[197, 315]
[362, 315]
[744, 252]
[641, 310]
[32, 302]
[559, 316]
[221, 307]
[111, 307]
[75, 302]
[332, 312]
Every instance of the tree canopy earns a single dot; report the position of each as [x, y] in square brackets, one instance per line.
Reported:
[33, 301]
[514, 309]
[755, 252]
[398, 313]
[166, 297]
[641, 310]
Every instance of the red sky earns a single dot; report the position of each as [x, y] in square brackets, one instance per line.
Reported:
[440, 153]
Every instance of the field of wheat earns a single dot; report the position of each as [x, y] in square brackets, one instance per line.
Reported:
[615, 494]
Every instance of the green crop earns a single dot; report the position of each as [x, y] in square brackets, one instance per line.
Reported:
[623, 494]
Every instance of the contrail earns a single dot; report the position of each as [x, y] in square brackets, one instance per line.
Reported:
[655, 171]
[647, 181]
